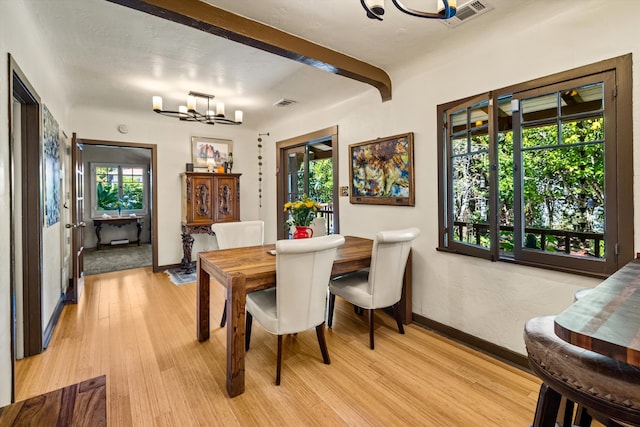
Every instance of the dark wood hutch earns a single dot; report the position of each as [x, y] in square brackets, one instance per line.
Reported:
[207, 198]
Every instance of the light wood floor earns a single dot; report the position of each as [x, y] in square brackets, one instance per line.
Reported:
[139, 329]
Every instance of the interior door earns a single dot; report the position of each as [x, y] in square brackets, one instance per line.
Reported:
[77, 224]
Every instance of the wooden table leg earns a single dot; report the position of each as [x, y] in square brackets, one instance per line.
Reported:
[405, 305]
[202, 303]
[236, 300]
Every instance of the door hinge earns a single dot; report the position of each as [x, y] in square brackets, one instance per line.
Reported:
[617, 249]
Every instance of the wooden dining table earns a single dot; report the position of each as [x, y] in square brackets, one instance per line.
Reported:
[607, 319]
[249, 269]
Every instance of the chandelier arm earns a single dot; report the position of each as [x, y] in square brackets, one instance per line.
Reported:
[174, 114]
[193, 115]
[447, 12]
[370, 13]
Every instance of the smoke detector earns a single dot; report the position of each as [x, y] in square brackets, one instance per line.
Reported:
[467, 11]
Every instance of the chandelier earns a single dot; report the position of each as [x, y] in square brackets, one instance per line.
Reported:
[375, 9]
[189, 113]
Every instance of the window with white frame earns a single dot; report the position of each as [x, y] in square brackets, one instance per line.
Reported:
[119, 188]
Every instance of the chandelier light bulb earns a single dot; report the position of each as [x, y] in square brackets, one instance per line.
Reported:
[220, 109]
[157, 103]
[191, 103]
[189, 112]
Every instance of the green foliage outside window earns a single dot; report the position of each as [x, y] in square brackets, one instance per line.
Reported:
[109, 192]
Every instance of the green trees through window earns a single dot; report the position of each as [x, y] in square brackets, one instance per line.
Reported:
[119, 186]
[531, 175]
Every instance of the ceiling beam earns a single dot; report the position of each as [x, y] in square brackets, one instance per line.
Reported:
[219, 22]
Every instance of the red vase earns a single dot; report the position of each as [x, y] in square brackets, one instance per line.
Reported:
[302, 232]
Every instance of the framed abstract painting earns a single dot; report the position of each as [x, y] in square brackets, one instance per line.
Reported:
[381, 171]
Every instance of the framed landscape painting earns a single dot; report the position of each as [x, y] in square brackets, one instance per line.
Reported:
[381, 171]
[206, 151]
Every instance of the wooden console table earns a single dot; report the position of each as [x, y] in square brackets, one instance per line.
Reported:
[119, 221]
[84, 403]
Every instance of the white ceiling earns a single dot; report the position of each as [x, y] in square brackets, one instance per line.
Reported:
[114, 57]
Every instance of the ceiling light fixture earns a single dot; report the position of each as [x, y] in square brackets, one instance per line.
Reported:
[375, 9]
[190, 114]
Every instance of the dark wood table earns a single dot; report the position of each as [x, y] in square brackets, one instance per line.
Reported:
[118, 221]
[244, 270]
[607, 319]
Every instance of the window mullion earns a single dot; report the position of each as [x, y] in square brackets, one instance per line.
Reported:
[494, 219]
[518, 197]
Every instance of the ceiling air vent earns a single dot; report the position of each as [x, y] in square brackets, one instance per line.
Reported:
[467, 11]
[284, 102]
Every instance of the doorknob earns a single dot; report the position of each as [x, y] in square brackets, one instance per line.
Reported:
[80, 224]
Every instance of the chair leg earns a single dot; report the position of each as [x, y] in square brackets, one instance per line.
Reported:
[371, 328]
[247, 333]
[279, 362]
[396, 315]
[583, 419]
[223, 321]
[358, 310]
[332, 304]
[323, 344]
[547, 407]
[565, 413]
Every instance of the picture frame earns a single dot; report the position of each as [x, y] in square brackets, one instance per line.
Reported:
[210, 151]
[381, 171]
[51, 158]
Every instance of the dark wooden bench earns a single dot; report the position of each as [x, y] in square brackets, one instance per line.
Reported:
[81, 404]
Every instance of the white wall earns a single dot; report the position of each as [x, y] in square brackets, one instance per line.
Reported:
[28, 51]
[173, 140]
[489, 300]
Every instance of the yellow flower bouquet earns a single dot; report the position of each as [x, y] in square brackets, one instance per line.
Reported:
[302, 211]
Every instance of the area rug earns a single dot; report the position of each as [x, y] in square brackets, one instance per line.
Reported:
[179, 277]
[117, 258]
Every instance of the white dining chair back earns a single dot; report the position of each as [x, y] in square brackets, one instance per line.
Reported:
[319, 226]
[388, 260]
[299, 300]
[239, 234]
[381, 285]
[303, 268]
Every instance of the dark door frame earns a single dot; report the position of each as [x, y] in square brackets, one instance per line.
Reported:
[153, 179]
[330, 133]
[31, 189]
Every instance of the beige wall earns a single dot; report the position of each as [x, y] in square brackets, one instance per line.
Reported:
[489, 300]
[27, 48]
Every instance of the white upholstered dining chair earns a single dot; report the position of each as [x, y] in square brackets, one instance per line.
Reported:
[299, 299]
[319, 226]
[381, 285]
[236, 235]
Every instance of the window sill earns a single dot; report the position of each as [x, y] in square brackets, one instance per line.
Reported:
[511, 260]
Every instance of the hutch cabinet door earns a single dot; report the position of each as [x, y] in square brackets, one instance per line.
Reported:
[227, 199]
[199, 199]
